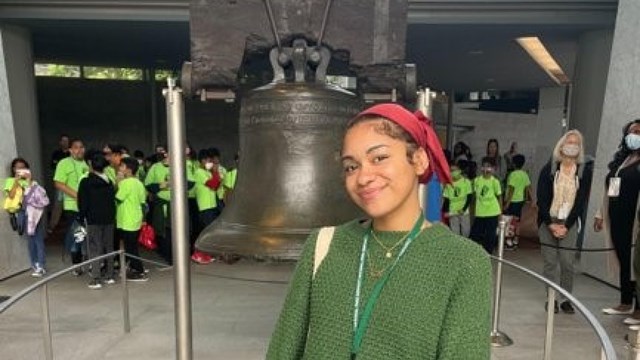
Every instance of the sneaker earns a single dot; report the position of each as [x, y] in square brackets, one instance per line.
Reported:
[201, 258]
[110, 281]
[137, 277]
[567, 308]
[631, 321]
[618, 310]
[555, 307]
[38, 272]
[95, 285]
[77, 272]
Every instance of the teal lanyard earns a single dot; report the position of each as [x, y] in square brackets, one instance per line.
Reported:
[361, 322]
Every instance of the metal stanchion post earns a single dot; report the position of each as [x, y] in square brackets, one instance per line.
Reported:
[46, 322]
[498, 338]
[125, 290]
[633, 343]
[179, 225]
[548, 340]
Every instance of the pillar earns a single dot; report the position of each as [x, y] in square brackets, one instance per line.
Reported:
[549, 127]
[20, 132]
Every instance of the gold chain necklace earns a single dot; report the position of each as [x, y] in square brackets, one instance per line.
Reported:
[389, 250]
[376, 274]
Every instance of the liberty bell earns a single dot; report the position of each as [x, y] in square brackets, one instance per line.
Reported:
[289, 175]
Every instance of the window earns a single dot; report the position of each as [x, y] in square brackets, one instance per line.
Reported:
[97, 72]
[57, 70]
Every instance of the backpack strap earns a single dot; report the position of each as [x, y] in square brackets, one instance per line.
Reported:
[322, 246]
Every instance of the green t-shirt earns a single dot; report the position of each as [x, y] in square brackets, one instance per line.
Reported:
[223, 175]
[8, 184]
[192, 166]
[131, 195]
[205, 196]
[519, 180]
[70, 172]
[157, 174]
[141, 174]
[111, 174]
[457, 194]
[229, 181]
[486, 192]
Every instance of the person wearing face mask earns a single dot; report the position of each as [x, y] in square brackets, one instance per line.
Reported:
[619, 214]
[142, 171]
[457, 199]
[487, 199]
[206, 201]
[563, 189]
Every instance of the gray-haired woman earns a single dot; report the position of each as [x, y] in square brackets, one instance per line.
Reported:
[563, 190]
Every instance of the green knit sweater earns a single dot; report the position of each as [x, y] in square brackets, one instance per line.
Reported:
[436, 304]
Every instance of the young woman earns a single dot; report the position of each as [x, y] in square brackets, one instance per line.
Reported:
[392, 286]
[621, 210]
[34, 200]
[493, 152]
[563, 190]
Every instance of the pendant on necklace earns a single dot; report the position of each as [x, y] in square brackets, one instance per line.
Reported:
[388, 254]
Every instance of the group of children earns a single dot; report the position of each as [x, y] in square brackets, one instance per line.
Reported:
[113, 194]
[473, 204]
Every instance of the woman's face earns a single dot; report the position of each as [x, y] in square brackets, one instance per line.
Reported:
[18, 166]
[493, 148]
[572, 140]
[378, 176]
[634, 129]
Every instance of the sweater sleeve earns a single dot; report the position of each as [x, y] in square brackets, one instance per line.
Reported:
[466, 326]
[544, 194]
[582, 197]
[290, 335]
[83, 206]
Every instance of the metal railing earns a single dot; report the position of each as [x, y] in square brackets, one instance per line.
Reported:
[44, 297]
[499, 338]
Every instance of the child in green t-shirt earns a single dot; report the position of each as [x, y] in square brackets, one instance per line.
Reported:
[457, 199]
[131, 201]
[487, 192]
[206, 200]
[518, 192]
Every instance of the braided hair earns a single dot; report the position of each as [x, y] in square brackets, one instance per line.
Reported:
[623, 149]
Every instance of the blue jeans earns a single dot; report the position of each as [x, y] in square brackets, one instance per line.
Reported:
[36, 247]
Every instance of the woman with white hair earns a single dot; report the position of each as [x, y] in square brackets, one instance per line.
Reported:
[563, 190]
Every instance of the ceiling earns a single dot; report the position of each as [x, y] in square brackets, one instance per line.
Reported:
[461, 57]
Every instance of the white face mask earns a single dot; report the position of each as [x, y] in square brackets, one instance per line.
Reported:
[632, 141]
[208, 166]
[571, 150]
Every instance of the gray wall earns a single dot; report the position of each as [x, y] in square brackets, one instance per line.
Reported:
[19, 129]
[590, 80]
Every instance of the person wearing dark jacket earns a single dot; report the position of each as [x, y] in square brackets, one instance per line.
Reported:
[563, 190]
[97, 209]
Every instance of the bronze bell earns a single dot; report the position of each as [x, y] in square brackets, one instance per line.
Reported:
[289, 175]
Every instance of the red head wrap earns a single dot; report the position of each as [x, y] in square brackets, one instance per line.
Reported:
[421, 129]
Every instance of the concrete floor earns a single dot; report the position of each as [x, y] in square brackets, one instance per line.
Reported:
[234, 314]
